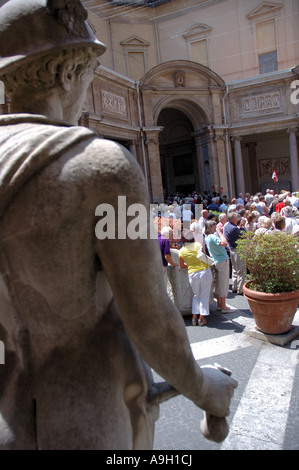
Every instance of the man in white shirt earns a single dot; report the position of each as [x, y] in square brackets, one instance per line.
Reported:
[269, 197]
[294, 200]
[290, 220]
[202, 220]
[241, 199]
[187, 214]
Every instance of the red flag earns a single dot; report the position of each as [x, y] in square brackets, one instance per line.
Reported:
[274, 177]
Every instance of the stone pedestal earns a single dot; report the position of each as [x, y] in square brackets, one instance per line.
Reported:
[279, 340]
[179, 288]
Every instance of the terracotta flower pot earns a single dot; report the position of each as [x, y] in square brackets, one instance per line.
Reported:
[273, 313]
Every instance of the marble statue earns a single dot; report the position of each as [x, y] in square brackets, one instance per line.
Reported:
[83, 320]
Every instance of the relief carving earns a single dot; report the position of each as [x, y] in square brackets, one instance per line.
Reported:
[114, 104]
[179, 79]
[261, 104]
[281, 165]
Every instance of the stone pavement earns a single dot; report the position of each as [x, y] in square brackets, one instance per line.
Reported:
[265, 407]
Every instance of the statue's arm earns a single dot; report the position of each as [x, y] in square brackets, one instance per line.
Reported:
[134, 270]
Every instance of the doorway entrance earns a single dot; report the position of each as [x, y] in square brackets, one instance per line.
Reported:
[178, 154]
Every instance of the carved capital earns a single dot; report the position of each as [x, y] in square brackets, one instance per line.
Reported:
[215, 135]
[292, 130]
[251, 144]
[236, 138]
[219, 138]
[152, 135]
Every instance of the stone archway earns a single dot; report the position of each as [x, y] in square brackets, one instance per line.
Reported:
[182, 116]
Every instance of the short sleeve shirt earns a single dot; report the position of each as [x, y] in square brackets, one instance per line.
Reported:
[189, 255]
[218, 253]
[164, 247]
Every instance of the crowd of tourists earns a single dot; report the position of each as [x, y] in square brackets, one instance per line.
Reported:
[207, 239]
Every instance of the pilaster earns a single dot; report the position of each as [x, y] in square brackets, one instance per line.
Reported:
[152, 146]
[240, 181]
[222, 162]
[294, 159]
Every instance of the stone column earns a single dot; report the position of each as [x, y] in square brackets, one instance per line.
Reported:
[2, 93]
[84, 119]
[152, 145]
[252, 167]
[294, 158]
[240, 182]
[215, 180]
[222, 162]
[200, 165]
[132, 148]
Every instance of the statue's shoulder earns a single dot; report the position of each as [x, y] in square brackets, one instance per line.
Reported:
[89, 157]
[36, 129]
[111, 159]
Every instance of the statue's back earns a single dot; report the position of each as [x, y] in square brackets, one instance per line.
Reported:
[77, 380]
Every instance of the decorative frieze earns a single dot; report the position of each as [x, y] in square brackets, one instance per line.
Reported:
[268, 165]
[256, 105]
[114, 104]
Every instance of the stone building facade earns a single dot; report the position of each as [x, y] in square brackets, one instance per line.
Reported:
[204, 93]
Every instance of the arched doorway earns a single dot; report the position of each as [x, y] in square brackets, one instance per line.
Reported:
[184, 148]
[177, 152]
[183, 125]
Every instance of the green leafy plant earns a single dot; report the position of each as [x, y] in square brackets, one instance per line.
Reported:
[272, 261]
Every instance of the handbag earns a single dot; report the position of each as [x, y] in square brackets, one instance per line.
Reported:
[205, 258]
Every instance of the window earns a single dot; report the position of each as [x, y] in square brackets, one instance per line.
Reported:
[197, 43]
[266, 46]
[136, 64]
[268, 62]
[199, 52]
[135, 52]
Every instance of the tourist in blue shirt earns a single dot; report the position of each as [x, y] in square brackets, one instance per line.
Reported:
[232, 232]
[216, 243]
[214, 206]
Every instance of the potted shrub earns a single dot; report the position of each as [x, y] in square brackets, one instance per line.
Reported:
[272, 290]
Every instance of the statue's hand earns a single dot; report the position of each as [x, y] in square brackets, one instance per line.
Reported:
[217, 390]
[214, 426]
